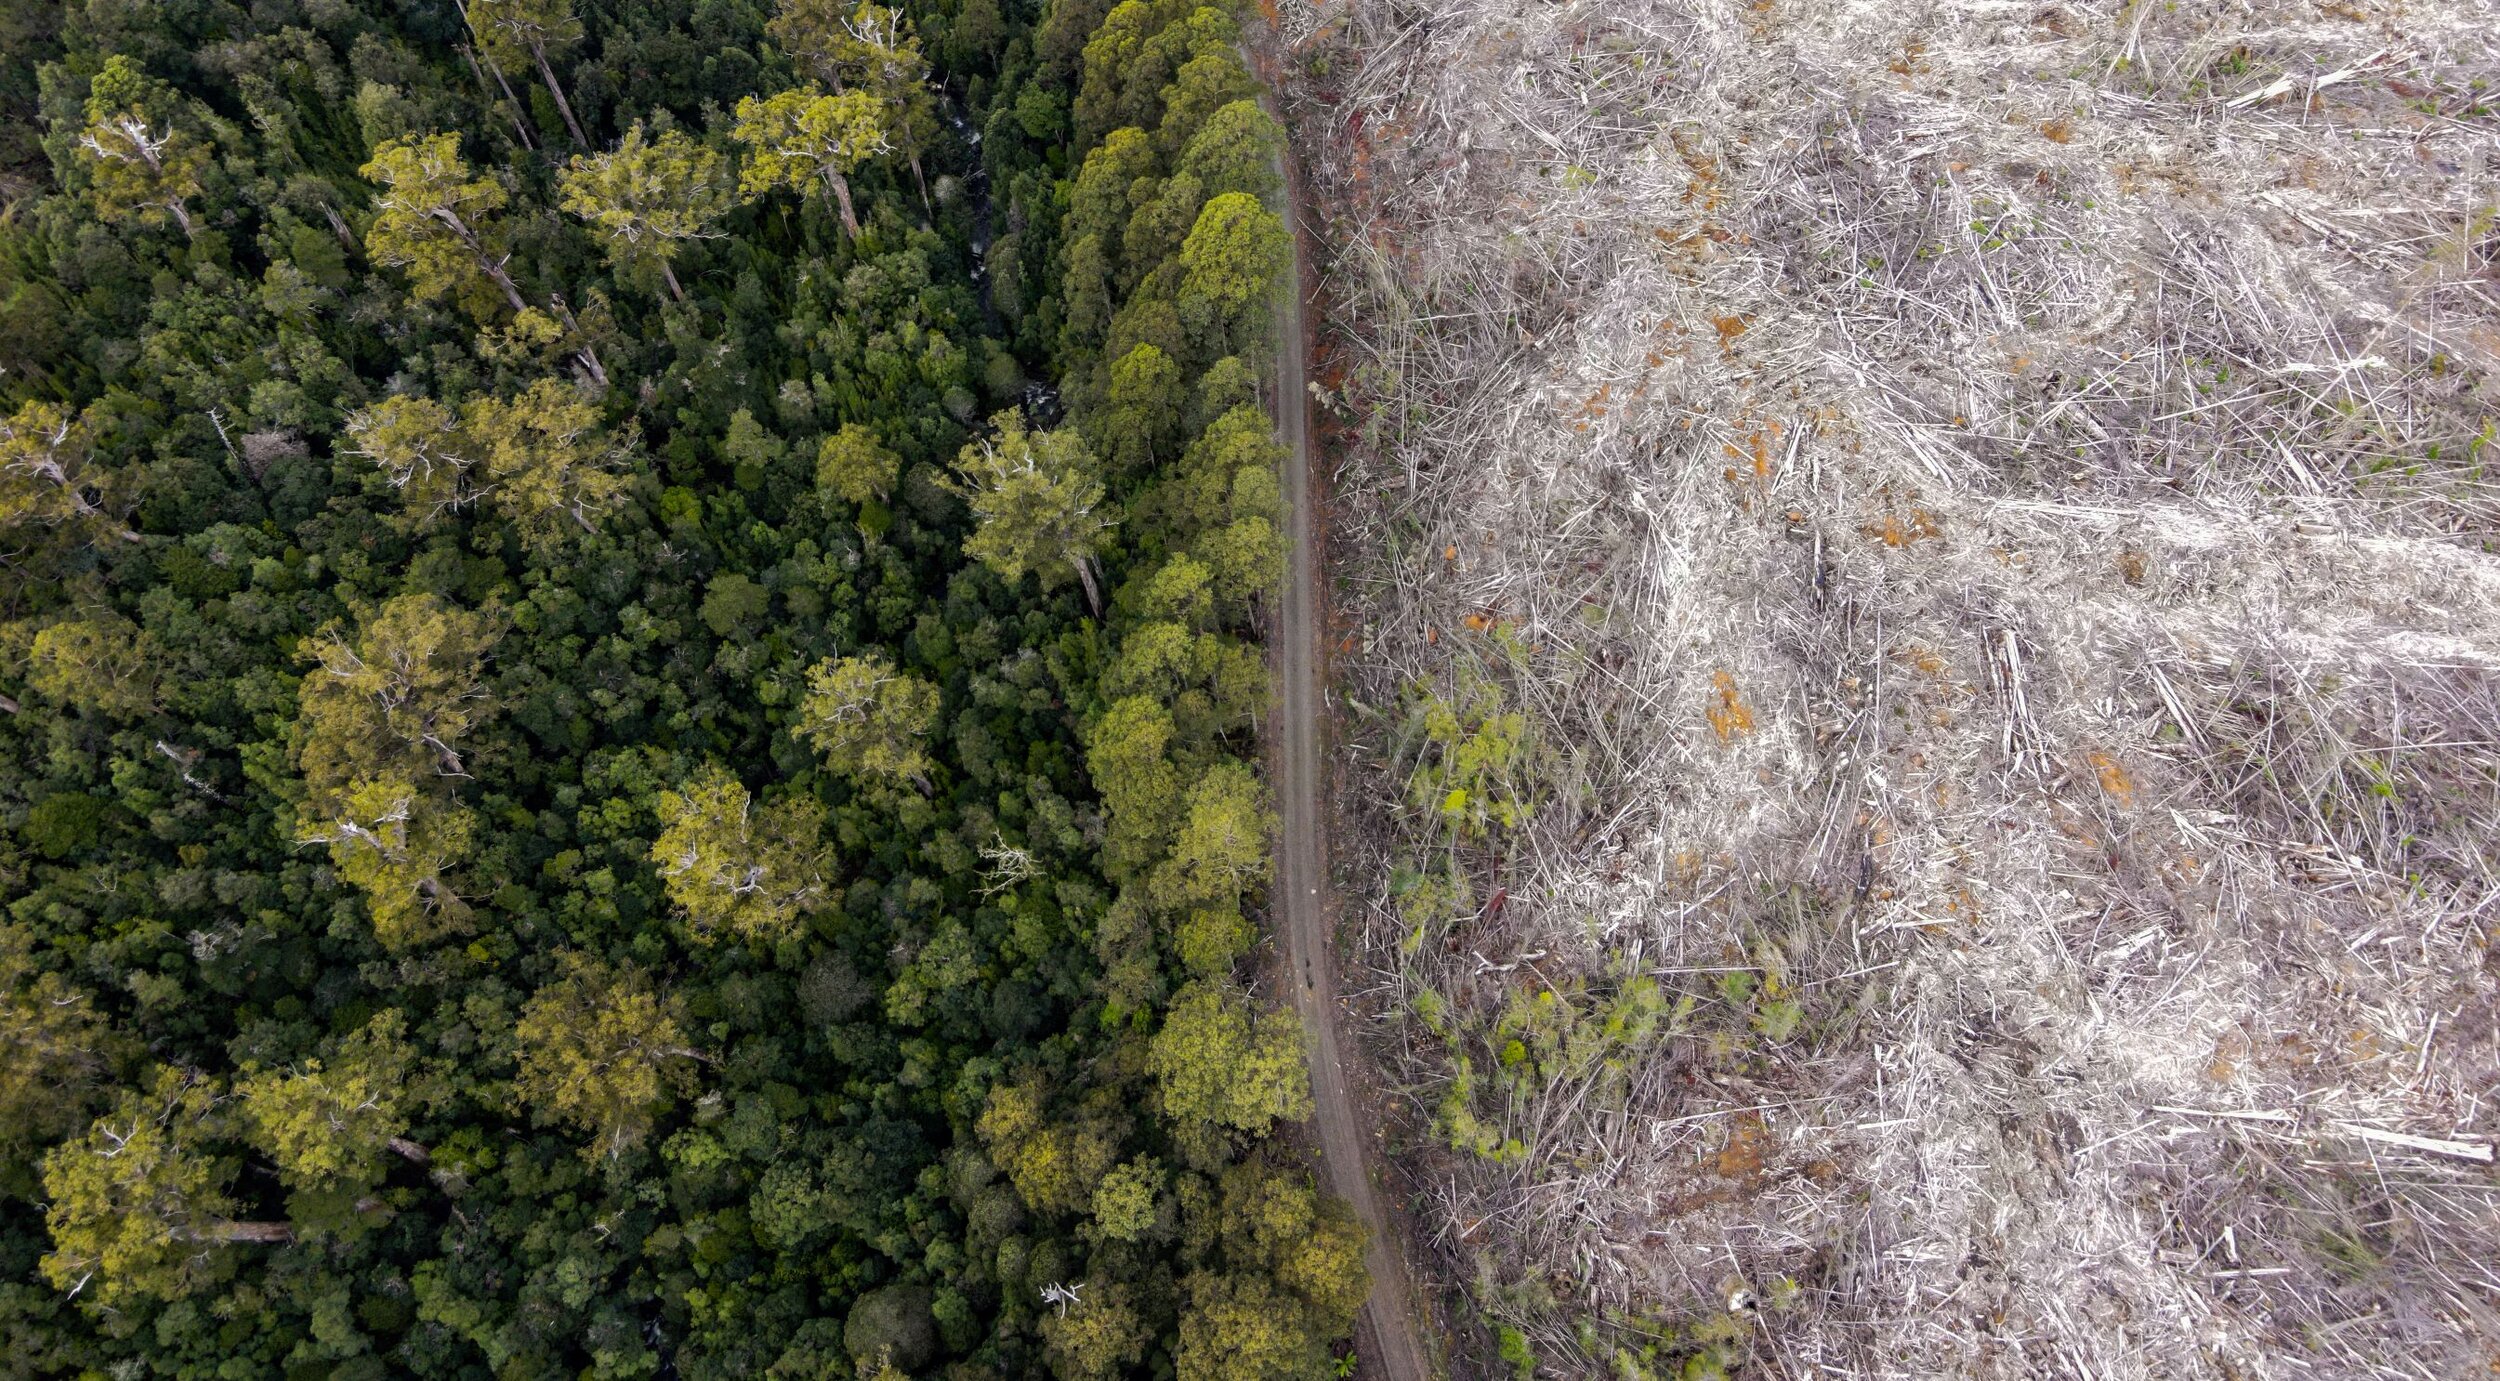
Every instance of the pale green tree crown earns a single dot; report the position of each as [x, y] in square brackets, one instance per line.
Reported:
[649, 197]
[1038, 500]
[868, 719]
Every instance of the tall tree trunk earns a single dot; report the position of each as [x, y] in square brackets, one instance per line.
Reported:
[503, 280]
[182, 217]
[520, 116]
[253, 1232]
[1093, 592]
[675, 288]
[914, 159]
[842, 199]
[493, 267]
[519, 124]
[410, 1150]
[588, 354]
[548, 75]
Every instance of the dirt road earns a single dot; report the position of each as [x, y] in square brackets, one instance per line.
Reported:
[1389, 1337]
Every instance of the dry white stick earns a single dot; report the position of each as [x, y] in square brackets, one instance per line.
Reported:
[2479, 1152]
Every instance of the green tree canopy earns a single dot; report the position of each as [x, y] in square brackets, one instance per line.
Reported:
[736, 870]
[1205, 84]
[555, 471]
[1100, 1338]
[139, 1205]
[1103, 197]
[59, 1051]
[1219, 1065]
[868, 719]
[889, 1330]
[1241, 1327]
[139, 162]
[513, 30]
[798, 137]
[1039, 502]
[875, 49]
[539, 459]
[815, 34]
[1127, 756]
[1276, 1219]
[328, 1122]
[852, 465]
[396, 839]
[1221, 851]
[1231, 261]
[50, 485]
[604, 1051]
[422, 453]
[1056, 1158]
[1124, 1205]
[439, 223]
[98, 662]
[1148, 395]
[1158, 229]
[1234, 150]
[395, 698]
[648, 199]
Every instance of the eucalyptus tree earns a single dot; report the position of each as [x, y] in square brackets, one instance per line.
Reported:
[648, 199]
[800, 137]
[1038, 500]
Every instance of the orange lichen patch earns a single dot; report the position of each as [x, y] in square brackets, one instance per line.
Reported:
[2131, 566]
[1478, 623]
[1924, 658]
[1450, 552]
[1729, 328]
[1728, 713]
[1703, 189]
[1962, 904]
[1913, 59]
[2057, 131]
[1432, 636]
[1893, 531]
[2072, 825]
[2229, 1049]
[1592, 406]
[1747, 1150]
[2115, 783]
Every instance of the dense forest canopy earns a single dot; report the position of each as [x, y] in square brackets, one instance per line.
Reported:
[626, 629]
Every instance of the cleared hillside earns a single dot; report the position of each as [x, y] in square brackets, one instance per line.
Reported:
[1920, 630]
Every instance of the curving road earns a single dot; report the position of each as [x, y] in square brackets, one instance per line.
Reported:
[1389, 1335]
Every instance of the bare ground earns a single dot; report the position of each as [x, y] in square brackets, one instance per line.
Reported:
[1390, 1333]
[1925, 691]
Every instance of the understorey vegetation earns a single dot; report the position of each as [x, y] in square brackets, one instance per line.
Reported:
[628, 686]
